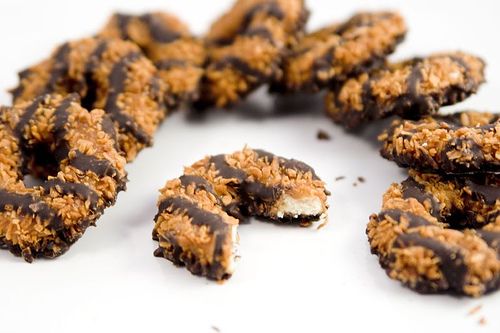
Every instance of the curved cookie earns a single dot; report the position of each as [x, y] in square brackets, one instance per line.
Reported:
[198, 213]
[466, 142]
[339, 51]
[245, 48]
[169, 44]
[420, 238]
[44, 220]
[410, 89]
[108, 74]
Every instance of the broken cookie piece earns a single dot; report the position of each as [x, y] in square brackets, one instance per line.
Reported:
[199, 212]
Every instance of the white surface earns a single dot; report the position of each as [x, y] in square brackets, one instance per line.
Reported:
[288, 279]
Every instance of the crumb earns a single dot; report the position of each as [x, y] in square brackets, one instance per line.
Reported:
[361, 179]
[322, 135]
[322, 225]
[354, 184]
[474, 310]
[339, 178]
[482, 321]
[215, 328]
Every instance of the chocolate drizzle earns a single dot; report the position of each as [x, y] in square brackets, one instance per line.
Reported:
[241, 66]
[412, 189]
[84, 163]
[225, 170]
[80, 190]
[117, 80]
[59, 68]
[414, 221]
[199, 183]
[168, 64]
[451, 261]
[122, 21]
[31, 206]
[199, 216]
[159, 31]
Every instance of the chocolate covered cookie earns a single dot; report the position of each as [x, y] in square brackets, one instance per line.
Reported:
[55, 134]
[410, 89]
[246, 46]
[339, 51]
[465, 142]
[108, 74]
[440, 234]
[198, 213]
[168, 43]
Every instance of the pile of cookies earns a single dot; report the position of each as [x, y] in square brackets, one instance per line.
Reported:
[81, 114]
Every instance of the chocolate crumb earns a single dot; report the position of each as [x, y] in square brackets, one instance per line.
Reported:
[361, 179]
[354, 184]
[215, 328]
[323, 135]
[339, 178]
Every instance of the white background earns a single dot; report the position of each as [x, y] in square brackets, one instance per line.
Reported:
[288, 279]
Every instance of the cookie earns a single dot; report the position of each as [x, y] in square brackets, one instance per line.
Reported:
[440, 234]
[169, 44]
[199, 212]
[465, 142]
[410, 89]
[246, 46]
[88, 172]
[108, 74]
[339, 51]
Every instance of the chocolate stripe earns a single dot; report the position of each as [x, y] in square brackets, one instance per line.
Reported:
[167, 64]
[80, 190]
[117, 80]
[287, 163]
[226, 171]
[18, 91]
[101, 168]
[492, 238]
[451, 261]
[414, 221]
[93, 61]
[199, 182]
[29, 205]
[158, 30]
[259, 191]
[59, 68]
[61, 115]
[412, 189]
[26, 117]
[198, 215]
[269, 8]
[122, 21]
[240, 66]
[261, 32]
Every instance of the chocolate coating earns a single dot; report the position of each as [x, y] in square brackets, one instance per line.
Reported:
[109, 74]
[85, 178]
[246, 46]
[440, 234]
[339, 51]
[410, 89]
[465, 142]
[169, 44]
[198, 213]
